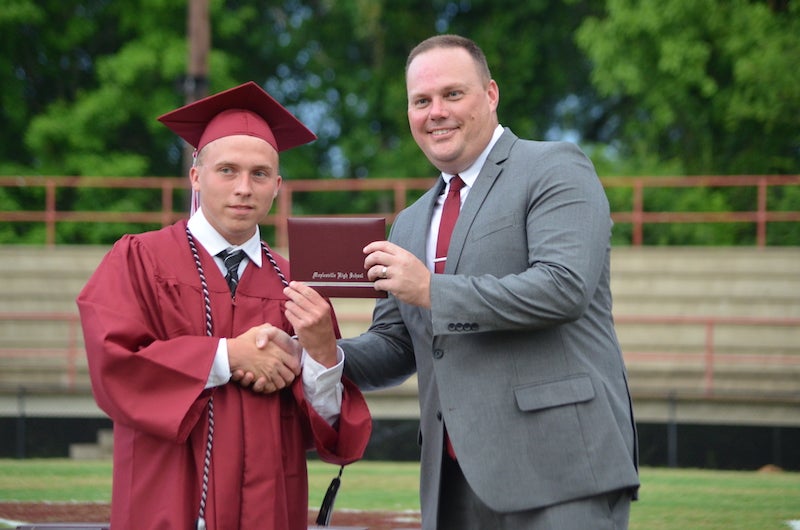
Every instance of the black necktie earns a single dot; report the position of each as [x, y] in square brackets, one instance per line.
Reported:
[232, 260]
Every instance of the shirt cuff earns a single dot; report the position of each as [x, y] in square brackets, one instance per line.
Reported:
[221, 368]
[323, 387]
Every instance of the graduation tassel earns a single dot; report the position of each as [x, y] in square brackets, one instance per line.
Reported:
[326, 510]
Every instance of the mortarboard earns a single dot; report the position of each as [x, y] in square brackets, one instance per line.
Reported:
[246, 109]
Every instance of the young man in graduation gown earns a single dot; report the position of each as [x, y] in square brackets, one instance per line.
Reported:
[166, 323]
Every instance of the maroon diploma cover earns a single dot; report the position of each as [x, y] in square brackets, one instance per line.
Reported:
[327, 253]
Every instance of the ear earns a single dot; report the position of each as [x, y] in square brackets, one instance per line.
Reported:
[277, 186]
[493, 92]
[194, 178]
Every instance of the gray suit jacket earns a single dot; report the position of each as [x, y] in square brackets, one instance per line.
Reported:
[518, 355]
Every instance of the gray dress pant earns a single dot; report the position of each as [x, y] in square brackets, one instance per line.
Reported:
[461, 509]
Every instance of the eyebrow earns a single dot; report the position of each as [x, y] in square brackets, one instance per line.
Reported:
[447, 88]
[265, 167]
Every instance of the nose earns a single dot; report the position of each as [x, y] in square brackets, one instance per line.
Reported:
[244, 185]
[438, 109]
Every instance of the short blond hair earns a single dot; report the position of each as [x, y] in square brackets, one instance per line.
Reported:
[453, 41]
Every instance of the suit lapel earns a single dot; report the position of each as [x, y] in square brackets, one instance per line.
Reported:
[487, 177]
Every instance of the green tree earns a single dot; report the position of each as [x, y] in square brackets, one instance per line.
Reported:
[701, 87]
[111, 67]
[362, 90]
[47, 49]
[677, 86]
[711, 85]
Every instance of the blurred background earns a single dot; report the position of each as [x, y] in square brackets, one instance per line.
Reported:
[690, 110]
[650, 87]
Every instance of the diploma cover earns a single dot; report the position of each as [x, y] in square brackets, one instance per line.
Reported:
[327, 253]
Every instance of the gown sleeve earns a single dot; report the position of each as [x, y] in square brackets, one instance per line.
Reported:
[140, 377]
[346, 441]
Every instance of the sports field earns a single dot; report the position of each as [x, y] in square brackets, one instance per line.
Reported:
[670, 499]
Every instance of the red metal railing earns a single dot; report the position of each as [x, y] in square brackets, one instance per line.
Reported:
[705, 355]
[637, 216]
[70, 353]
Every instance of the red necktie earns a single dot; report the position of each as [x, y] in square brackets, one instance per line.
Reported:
[452, 205]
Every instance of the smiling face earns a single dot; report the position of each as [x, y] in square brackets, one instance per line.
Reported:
[452, 109]
[237, 177]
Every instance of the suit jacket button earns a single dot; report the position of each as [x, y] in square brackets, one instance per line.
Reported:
[474, 326]
[459, 327]
[451, 327]
[438, 354]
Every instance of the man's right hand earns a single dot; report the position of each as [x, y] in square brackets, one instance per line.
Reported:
[265, 357]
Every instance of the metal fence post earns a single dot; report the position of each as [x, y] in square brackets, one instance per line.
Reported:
[21, 423]
[672, 433]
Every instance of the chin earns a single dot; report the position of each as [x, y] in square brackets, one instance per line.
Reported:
[445, 166]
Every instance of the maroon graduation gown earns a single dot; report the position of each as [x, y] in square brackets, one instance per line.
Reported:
[143, 320]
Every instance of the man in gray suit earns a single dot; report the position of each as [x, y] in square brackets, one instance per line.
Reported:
[525, 415]
[518, 364]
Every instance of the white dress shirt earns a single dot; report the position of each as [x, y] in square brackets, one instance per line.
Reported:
[469, 176]
[322, 386]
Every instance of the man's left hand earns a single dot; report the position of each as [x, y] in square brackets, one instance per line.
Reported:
[399, 272]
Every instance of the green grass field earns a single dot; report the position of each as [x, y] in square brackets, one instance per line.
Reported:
[671, 499]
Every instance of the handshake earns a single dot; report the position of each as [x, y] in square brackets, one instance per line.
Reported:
[266, 359]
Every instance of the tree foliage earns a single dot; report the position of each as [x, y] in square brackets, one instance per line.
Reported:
[646, 86]
[83, 99]
[710, 84]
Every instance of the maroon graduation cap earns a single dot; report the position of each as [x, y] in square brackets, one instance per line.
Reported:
[246, 109]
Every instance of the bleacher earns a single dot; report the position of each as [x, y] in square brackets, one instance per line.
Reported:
[716, 330]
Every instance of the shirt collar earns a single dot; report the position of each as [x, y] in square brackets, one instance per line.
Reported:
[214, 243]
[470, 175]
